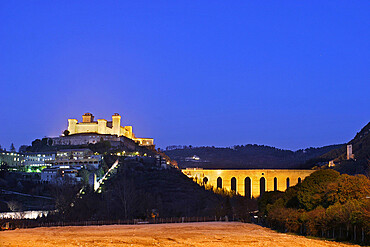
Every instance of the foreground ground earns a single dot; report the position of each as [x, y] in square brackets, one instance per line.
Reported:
[186, 234]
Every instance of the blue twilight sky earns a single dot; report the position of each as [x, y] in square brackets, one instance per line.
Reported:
[290, 74]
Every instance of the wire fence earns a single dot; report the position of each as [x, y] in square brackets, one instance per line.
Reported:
[352, 233]
[16, 223]
[349, 233]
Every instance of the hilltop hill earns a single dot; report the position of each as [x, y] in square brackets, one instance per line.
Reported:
[246, 157]
[139, 189]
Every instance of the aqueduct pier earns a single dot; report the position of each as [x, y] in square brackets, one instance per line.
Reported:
[248, 182]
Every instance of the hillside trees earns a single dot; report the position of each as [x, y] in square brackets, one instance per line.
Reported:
[39, 145]
[312, 190]
[324, 204]
[101, 147]
[66, 132]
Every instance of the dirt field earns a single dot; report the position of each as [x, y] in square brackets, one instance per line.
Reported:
[186, 234]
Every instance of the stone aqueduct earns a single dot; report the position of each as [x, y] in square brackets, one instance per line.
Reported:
[251, 182]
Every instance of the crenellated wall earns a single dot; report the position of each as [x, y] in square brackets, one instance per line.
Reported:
[274, 179]
[103, 127]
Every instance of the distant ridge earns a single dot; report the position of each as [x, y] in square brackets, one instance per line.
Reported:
[246, 157]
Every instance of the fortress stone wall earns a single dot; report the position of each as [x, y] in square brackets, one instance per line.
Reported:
[87, 138]
[249, 182]
[105, 127]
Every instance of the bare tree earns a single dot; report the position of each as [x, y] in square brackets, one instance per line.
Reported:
[14, 206]
[126, 194]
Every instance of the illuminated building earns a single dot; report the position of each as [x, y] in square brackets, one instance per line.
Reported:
[76, 158]
[66, 164]
[38, 160]
[12, 160]
[60, 176]
[104, 127]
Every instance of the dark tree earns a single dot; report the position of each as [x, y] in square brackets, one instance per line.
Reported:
[101, 147]
[23, 148]
[3, 169]
[12, 148]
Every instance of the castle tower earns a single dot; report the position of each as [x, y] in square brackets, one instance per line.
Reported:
[102, 126]
[116, 124]
[72, 125]
[128, 130]
[350, 155]
[87, 118]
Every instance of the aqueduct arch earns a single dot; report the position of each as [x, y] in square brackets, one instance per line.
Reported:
[262, 185]
[219, 182]
[275, 184]
[249, 182]
[247, 187]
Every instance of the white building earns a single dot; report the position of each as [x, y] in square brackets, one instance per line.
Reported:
[38, 160]
[14, 160]
[77, 158]
[49, 174]
[61, 175]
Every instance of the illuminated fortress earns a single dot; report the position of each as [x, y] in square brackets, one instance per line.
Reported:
[104, 127]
